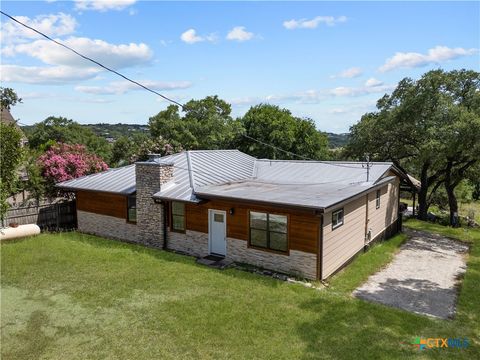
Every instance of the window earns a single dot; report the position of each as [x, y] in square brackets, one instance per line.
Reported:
[337, 219]
[268, 231]
[378, 199]
[132, 209]
[178, 216]
[218, 218]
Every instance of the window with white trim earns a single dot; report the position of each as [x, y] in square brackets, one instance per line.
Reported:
[377, 201]
[337, 218]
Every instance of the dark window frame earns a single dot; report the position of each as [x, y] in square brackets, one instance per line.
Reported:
[129, 206]
[336, 226]
[377, 199]
[184, 215]
[268, 231]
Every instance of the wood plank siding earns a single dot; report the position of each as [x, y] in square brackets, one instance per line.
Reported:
[102, 203]
[303, 230]
[342, 243]
[387, 213]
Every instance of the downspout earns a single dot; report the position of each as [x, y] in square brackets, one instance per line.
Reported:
[320, 250]
[165, 232]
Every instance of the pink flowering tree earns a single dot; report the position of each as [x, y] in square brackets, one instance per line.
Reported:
[64, 162]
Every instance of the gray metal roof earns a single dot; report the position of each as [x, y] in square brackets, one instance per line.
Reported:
[233, 174]
[205, 167]
[316, 196]
[291, 171]
[118, 180]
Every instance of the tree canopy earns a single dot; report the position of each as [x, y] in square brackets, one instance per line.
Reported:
[430, 127]
[278, 127]
[8, 98]
[205, 124]
[62, 130]
[10, 158]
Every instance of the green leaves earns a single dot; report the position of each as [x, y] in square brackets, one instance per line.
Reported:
[278, 127]
[10, 157]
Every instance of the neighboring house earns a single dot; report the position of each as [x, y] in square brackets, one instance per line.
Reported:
[303, 217]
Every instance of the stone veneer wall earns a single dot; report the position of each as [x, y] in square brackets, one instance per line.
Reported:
[196, 243]
[106, 226]
[297, 263]
[149, 178]
[192, 242]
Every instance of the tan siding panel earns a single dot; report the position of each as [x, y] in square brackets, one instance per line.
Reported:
[380, 219]
[343, 242]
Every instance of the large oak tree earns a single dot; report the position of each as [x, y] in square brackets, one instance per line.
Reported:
[430, 127]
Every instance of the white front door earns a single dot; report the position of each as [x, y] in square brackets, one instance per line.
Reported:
[217, 231]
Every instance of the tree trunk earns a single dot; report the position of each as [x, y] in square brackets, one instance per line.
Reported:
[422, 195]
[453, 176]
[453, 205]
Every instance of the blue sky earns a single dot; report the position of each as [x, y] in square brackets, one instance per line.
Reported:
[329, 61]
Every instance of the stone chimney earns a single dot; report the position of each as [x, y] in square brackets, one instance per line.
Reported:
[150, 176]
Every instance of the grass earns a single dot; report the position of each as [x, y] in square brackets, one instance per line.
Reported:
[464, 209]
[75, 296]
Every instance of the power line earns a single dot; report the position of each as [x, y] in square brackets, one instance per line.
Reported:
[275, 147]
[151, 90]
[91, 60]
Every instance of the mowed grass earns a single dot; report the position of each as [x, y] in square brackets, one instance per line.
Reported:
[75, 296]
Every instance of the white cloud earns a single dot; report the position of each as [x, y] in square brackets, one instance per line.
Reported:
[111, 55]
[51, 75]
[349, 73]
[316, 96]
[190, 37]
[238, 33]
[102, 5]
[359, 91]
[121, 87]
[435, 55]
[52, 25]
[313, 23]
[372, 82]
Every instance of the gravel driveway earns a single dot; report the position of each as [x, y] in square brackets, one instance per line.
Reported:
[422, 278]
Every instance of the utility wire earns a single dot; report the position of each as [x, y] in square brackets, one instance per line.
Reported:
[91, 60]
[154, 91]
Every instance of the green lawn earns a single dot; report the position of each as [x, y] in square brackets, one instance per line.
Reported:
[74, 296]
[464, 209]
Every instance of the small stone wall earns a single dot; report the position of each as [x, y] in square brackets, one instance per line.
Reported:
[192, 242]
[297, 263]
[106, 226]
[196, 244]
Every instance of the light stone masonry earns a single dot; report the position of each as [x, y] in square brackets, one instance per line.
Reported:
[297, 263]
[192, 242]
[106, 226]
[149, 178]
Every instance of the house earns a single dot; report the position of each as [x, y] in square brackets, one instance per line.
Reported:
[303, 217]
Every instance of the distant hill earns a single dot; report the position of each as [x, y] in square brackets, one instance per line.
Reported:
[112, 132]
[337, 140]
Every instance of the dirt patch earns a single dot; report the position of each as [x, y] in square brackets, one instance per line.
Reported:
[422, 278]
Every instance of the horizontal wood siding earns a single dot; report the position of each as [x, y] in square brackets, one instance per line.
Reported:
[102, 203]
[303, 225]
[340, 244]
[380, 219]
